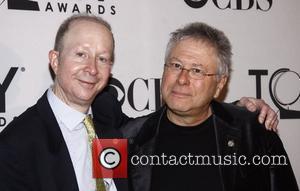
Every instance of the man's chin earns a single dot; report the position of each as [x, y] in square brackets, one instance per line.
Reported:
[179, 109]
[86, 99]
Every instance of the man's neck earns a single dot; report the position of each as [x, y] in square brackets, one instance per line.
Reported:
[189, 119]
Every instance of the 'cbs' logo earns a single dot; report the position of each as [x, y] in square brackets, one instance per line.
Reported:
[110, 158]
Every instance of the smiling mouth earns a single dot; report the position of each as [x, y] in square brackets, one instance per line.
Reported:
[87, 84]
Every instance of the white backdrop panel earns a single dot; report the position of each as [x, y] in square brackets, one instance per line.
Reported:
[262, 40]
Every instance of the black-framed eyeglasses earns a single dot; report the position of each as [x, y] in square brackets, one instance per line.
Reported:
[194, 72]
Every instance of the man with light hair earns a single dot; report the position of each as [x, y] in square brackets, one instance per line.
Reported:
[192, 124]
[48, 147]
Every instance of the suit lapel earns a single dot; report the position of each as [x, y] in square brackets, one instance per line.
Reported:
[145, 145]
[58, 153]
[59, 157]
[228, 139]
[141, 175]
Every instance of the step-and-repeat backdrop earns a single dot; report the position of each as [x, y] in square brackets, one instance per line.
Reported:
[264, 34]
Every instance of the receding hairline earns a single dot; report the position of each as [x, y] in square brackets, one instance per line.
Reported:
[67, 24]
[76, 22]
[79, 20]
[89, 18]
[71, 22]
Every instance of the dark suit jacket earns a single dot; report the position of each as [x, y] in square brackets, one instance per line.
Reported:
[34, 155]
[237, 132]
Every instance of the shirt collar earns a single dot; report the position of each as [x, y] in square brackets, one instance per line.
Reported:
[65, 114]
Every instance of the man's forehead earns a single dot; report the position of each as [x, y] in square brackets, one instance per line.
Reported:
[85, 28]
[78, 23]
[195, 53]
[193, 47]
[201, 42]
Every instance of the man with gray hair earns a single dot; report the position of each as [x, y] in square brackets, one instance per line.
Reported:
[48, 147]
[195, 142]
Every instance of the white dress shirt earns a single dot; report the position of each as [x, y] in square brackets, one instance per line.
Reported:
[75, 135]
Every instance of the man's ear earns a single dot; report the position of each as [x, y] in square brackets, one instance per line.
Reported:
[221, 84]
[53, 60]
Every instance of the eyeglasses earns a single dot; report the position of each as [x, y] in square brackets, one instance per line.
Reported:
[194, 72]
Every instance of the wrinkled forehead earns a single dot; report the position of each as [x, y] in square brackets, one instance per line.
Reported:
[194, 46]
[203, 41]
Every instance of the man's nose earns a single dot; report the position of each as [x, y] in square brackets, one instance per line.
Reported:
[183, 78]
[92, 66]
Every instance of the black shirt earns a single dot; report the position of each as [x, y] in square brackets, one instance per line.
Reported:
[178, 141]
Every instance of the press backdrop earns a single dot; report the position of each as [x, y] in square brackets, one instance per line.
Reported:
[264, 34]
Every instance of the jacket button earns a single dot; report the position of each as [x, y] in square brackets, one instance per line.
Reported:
[230, 143]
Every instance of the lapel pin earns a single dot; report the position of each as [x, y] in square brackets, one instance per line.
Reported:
[230, 143]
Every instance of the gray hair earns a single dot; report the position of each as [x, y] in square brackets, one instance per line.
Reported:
[65, 26]
[213, 36]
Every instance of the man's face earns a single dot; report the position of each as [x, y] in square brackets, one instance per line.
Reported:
[83, 66]
[184, 95]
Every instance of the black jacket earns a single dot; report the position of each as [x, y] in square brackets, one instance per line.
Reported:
[34, 155]
[237, 132]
